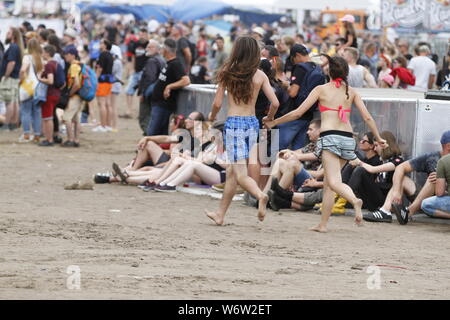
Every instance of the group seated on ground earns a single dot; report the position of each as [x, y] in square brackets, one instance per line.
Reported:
[193, 152]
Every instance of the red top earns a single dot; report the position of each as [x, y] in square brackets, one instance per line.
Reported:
[341, 111]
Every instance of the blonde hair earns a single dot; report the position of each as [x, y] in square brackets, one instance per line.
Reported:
[35, 50]
[17, 35]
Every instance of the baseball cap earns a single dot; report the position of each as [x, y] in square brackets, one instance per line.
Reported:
[259, 31]
[298, 48]
[388, 79]
[70, 50]
[348, 18]
[71, 33]
[445, 137]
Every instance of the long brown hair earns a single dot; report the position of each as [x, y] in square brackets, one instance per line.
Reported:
[17, 35]
[237, 73]
[393, 149]
[338, 69]
[35, 50]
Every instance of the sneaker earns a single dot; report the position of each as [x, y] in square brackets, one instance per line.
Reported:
[218, 187]
[25, 138]
[165, 188]
[147, 185]
[36, 139]
[57, 139]
[68, 144]
[378, 216]
[101, 178]
[76, 144]
[272, 202]
[45, 143]
[401, 212]
[99, 129]
[108, 129]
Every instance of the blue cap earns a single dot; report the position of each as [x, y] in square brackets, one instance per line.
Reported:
[445, 137]
[70, 49]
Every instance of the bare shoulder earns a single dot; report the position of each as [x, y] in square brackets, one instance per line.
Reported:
[352, 93]
[259, 76]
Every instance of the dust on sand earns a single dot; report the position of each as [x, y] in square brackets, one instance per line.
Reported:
[135, 245]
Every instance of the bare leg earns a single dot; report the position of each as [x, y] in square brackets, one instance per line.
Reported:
[129, 105]
[77, 130]
[187, 171]
[69, 130]
[113, 112]
[228, 194]
[169, 169]
[274, 174]
[298, 197]
[327, 206]
[254, 168]
[288, 170]
[408, 187]
[332, 165]
[426, 192]
[152, 151]
[101, 102]
[250, 185]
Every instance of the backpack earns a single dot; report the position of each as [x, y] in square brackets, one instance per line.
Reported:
[60, 77]
[314, 77]
[88, 83]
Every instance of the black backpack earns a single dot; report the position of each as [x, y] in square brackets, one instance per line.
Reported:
[314, 77]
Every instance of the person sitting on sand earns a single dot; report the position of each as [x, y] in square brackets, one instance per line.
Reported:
[336, 143]
[243, 80]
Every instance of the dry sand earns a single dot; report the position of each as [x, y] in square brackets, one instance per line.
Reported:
[162, 246]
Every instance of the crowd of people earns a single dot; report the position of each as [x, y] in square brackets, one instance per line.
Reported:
[303, 86]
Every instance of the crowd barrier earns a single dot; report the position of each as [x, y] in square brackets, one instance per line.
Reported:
[416, 122]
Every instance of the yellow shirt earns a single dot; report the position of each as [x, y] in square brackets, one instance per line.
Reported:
[74, 74]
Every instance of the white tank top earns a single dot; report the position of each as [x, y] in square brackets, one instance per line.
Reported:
[356, 76]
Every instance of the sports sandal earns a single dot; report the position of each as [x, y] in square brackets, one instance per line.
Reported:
[118, 172]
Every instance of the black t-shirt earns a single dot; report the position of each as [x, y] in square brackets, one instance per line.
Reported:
[138, 49]
[112, 34]
[386, 177]
[182, 44]
[355, 40]
[197, 74]
[12, 54]
[173, 72]
[442, 74]
[297, 77]
[105, 61]
[426, 163]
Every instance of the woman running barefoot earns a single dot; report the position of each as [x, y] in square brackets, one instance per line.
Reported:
[336, 143]
[242, 79]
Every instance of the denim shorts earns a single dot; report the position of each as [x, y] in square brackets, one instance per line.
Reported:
[240, 134]
[133, 83]
[341, 143]
[430, 205]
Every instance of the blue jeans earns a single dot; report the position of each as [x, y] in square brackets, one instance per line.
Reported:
[301, 177]
[430, 205]
[293, 134]
[159, 121]
[31, 115]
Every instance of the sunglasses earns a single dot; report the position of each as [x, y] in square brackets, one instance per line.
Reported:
[364, 141]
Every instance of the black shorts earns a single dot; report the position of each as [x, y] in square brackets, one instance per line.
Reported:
[163, 158]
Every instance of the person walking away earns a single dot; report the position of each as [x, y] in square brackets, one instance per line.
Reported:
[243, 80]
[117, 72]
[336, 144]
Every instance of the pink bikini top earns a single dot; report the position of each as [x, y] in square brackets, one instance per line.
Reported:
[341, 111]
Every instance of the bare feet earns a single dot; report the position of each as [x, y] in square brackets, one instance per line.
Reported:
[358, 212]
[215, 217]
[262, 205]
[319, 228]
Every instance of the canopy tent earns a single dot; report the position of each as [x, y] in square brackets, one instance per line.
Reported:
[182, 10]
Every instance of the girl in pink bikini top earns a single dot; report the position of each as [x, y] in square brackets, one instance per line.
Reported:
[341, 111]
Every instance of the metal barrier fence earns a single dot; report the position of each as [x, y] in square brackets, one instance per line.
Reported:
[416, 123]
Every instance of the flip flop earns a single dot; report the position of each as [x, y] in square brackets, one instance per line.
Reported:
[117, 172]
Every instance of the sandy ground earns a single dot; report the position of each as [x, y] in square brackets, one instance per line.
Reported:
[162, 246]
